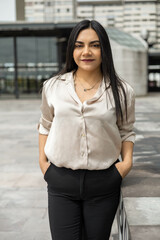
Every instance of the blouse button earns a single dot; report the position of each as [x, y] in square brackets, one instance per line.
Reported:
[82, 154]
[82, 110]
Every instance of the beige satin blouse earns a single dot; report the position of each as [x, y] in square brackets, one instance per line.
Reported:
[83, 136]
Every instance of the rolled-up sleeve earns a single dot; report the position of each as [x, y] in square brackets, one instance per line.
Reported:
[126, 128]
[47, 112]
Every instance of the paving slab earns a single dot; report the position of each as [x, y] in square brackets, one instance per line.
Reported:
[143, 211]
[145, 232]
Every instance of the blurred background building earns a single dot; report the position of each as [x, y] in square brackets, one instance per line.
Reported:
[131, 16]
[33, 41]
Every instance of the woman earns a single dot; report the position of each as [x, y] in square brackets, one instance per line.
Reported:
[86, 123]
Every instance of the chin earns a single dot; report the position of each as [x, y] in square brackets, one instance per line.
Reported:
[88, 68]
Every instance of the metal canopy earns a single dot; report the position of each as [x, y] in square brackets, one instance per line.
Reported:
[125, 39]
[23, 29]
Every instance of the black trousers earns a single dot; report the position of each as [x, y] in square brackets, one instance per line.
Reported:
[82, 203]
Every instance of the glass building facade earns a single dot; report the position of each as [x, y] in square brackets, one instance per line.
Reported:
[36, 61]
[31, 53]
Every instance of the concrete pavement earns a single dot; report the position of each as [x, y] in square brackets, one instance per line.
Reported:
[23, 196]
[141, 188]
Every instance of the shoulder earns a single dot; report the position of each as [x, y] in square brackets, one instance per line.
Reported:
[54, 82]
[59, 78]
[50, 82]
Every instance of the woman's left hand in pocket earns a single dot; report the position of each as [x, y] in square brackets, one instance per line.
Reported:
[123, 168]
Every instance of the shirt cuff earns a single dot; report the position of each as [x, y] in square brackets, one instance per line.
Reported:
[42, 130]
[130, 138]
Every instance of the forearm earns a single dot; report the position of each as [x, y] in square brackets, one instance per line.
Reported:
[42, 157]
[127, 153]
[127, 157]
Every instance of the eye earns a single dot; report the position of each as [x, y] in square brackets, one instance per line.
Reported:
[95, 45]
[78, 46]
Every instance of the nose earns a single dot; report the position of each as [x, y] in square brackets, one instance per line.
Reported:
[86, 50]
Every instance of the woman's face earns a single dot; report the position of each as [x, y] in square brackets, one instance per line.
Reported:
[87, 51]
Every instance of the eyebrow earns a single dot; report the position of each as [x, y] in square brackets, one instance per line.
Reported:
[95, 41]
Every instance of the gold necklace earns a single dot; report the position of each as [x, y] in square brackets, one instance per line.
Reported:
[87, 89]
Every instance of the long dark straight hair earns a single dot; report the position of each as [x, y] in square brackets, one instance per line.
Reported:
[107, 65]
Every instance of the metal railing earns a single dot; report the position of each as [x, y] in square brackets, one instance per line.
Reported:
[123, 226]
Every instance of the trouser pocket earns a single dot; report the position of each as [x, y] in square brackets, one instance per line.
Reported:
[117, 172]
[47, 172]
[62, 180]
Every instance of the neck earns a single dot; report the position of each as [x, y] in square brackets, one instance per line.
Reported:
[89, 77]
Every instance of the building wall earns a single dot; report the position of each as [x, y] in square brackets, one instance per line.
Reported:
[158, 25]
[49, 10]
[20, 13]
[34, 11]
[107, 15]
[129, 64]
[141, 16]
[130, 16]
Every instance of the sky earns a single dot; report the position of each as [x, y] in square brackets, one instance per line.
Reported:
[7, 10]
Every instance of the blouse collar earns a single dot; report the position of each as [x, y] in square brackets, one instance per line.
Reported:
[69, 80]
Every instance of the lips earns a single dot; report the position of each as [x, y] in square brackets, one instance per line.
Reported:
[87, 60]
